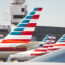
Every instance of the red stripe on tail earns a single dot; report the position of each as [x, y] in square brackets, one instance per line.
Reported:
[27, 32]
[16, 41]
[31, 25]
[35, 17]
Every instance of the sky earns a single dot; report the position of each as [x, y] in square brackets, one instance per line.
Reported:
[53, 14]
[4, 6]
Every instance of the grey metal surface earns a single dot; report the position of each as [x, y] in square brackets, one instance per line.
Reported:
[55, 56]
[42, 31]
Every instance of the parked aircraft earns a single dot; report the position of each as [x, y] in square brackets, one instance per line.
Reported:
[55, 56]
[47, 43]
[20, 35]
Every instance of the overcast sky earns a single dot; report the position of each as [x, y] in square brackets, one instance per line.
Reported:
[53, 14]
[4, 6]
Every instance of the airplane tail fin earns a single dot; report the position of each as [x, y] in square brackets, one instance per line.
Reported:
[60, 43]
[48, 43]
[24, 30]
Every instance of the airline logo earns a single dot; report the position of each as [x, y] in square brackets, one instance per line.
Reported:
[24, 30]
[48, 45]
[49, 38]
[22, 34]
[60, 43]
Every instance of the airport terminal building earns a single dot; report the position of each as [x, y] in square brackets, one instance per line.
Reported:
[42, 31]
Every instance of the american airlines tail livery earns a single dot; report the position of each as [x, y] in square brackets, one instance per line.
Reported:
[20, 35]
[58, 54]
[47, 43]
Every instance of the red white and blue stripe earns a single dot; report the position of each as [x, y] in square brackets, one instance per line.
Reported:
[48, 42]
[60, 43]
[24, 30]
[41, 50]
[22, 34]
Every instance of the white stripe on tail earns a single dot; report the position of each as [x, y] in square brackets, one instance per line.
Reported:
[22, 34]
